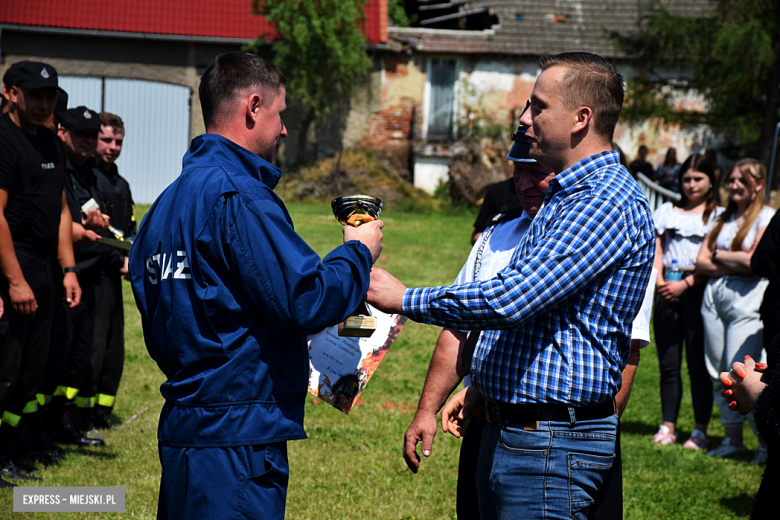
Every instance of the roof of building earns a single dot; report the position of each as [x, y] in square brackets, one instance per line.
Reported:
[224, 19]
[531, 27]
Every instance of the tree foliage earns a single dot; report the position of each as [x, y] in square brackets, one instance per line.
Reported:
[730, 56]
[397, 13]
[320, 49]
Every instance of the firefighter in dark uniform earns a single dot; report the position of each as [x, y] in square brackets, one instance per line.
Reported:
[108, 348]
[35, 225]
[58, 346]
[80, 136]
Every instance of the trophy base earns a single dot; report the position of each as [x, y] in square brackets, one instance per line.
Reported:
[358, 327]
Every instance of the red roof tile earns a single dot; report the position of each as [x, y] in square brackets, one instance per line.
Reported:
[204, 18]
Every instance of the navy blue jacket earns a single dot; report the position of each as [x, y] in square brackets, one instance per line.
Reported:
[227, 292]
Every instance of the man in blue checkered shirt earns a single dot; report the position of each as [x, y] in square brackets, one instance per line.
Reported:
[556, 323]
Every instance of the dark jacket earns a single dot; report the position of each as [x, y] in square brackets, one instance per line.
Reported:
[90, 256]
[500, 198]
[765, 262]
[116, 194]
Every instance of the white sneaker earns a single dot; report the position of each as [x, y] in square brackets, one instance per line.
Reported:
[760, 456]
[727, 449]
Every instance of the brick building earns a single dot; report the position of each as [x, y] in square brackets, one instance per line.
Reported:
[468, 64]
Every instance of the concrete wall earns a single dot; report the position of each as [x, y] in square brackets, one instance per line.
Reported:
[430, 172]
[494, 90]
[489, 90]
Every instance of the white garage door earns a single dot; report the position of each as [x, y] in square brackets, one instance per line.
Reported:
[157, 123]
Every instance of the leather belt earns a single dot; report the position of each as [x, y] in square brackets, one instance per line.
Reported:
[528, 413]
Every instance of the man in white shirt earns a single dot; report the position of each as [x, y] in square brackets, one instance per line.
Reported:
[451, 359]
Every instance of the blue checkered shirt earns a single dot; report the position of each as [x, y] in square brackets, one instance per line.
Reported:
[557, 321]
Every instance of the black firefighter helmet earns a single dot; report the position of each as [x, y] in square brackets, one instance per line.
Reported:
[520, 145]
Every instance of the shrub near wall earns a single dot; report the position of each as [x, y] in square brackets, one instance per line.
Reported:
[483, 164]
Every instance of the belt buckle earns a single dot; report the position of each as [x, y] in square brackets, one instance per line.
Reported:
[527, 417]
[532, 424]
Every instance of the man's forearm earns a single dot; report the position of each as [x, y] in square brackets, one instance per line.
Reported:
[443, 376]
[8, 261]
[65, 244]
[529, 287]
[621, 399]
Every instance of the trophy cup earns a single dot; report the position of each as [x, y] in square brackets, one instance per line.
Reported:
[353, 210]
[119, 241]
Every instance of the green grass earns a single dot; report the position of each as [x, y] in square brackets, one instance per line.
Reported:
[351, 466]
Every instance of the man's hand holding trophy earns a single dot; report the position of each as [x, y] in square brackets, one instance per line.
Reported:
[358, 214]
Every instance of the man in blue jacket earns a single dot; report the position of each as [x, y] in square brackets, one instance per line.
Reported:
[227, 293]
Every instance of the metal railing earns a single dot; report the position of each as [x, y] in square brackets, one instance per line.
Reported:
[656, 194]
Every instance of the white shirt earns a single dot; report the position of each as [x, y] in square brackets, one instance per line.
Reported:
[497, 250]
[730, 229]
[641, 327]
[683, 234]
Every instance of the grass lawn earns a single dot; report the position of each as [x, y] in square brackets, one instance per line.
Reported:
[351, 466]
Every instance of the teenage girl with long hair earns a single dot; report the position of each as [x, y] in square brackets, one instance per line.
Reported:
[732, 297]
[681, 229]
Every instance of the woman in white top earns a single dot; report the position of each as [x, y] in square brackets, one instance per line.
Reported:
[733, 295]
[681, 229]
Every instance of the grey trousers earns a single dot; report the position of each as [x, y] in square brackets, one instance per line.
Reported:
[732, 330]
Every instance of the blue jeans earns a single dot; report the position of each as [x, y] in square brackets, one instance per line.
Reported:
[551, 472]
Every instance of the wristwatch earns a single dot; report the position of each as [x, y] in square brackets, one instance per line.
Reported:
[714, 254]
[73, 269]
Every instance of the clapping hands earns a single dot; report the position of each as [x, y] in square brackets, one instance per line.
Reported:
[743, 384]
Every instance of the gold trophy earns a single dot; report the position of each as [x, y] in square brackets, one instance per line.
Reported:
[353, 210]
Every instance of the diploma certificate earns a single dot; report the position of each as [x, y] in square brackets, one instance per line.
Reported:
[340, 367]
